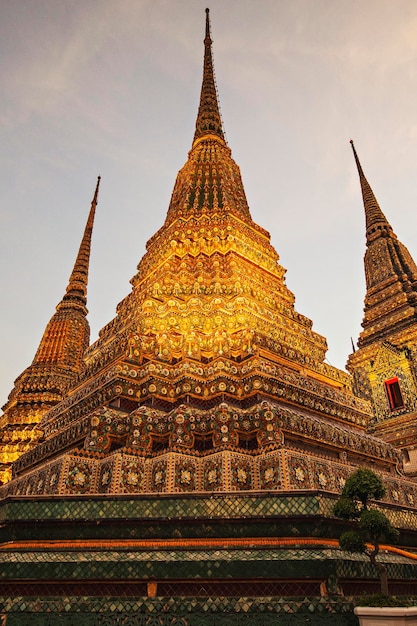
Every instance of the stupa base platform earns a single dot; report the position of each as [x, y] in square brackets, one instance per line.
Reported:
[199, 560]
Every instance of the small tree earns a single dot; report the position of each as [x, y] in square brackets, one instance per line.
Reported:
[372, 526]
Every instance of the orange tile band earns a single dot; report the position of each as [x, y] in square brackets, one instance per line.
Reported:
[256, 542]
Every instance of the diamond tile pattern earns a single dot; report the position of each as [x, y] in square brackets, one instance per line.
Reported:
[215, 506]
[185, 564]
[161, 564]
[244, 611]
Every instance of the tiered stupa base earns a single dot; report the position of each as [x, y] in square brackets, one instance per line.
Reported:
[187, 559]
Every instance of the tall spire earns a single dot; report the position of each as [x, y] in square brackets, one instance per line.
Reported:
[376, 222]
[59, 358]
[209, 120]
[210, 180]
[77, 285]
[71, 309]
[391, 274]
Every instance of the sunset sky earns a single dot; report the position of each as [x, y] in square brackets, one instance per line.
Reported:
[111, 87]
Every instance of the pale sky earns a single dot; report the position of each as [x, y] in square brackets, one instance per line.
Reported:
[111, 87]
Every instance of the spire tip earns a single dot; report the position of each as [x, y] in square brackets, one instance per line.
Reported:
[352, 145]
[373, 213]
[209, 120]
[95, 198]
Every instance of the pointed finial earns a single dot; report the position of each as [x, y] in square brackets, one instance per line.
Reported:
[373, 213]
[207, 37]
[96, 191]
[358, 164]
[209, 120]
[77, 285]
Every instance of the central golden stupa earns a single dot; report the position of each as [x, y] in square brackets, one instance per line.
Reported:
[207, 379]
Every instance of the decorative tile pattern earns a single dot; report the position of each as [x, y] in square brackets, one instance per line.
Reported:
[186, 473]
[132, 475]
[269, 471]
[241, 472]
[214, 472]
[194, 611]
[159, 474]
[80, 475]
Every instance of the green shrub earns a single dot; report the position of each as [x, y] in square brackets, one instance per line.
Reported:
[372, 526]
